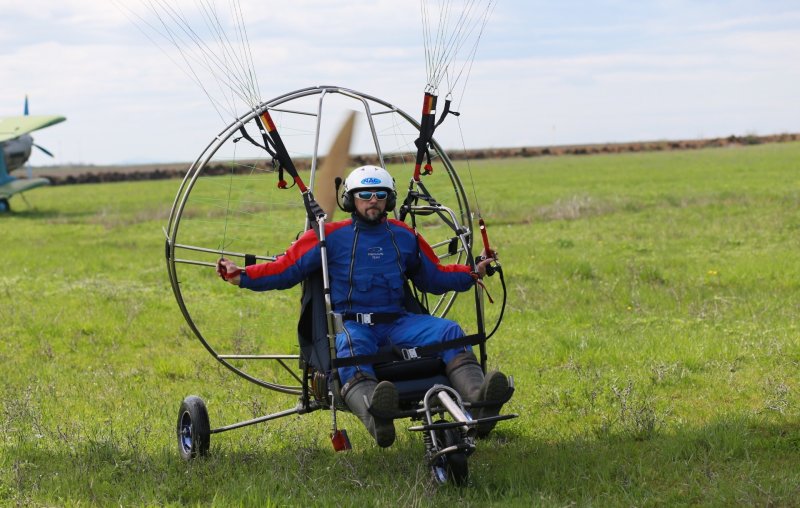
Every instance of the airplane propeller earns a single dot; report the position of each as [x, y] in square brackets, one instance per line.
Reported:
[28, 167]
[333, 167]
[43, 149]
[26, 112]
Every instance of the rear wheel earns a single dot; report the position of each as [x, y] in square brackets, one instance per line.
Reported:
[194, 429]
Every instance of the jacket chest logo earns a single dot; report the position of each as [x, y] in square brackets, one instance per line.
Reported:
[375, 253]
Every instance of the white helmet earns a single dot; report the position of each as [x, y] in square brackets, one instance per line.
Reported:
[368, 177]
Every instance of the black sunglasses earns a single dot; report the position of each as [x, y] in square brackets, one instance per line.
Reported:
[367, 195]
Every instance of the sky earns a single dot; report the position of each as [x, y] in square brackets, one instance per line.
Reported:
[545, 73]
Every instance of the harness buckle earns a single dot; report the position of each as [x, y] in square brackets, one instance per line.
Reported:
[410, 354]
[364, 318]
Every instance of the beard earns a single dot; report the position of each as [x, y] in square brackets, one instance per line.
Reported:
[372, 215]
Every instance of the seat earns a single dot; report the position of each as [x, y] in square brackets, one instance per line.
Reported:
[412, 377]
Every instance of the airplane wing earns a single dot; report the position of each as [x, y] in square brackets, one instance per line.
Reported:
[14, 126]
[21, 185]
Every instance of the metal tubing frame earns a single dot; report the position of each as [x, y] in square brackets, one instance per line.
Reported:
[452, 403]
[196, 169]
[299, 409]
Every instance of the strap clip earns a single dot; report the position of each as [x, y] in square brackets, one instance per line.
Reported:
[364, 318]
[410, 354]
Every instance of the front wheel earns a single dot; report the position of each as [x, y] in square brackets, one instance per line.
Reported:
[194, 429]
[452, 466]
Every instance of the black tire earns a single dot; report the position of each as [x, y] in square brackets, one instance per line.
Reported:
[458, 468]
[194, 429]
[5, 207]
[453, 466]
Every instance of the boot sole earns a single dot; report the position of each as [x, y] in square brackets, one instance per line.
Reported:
[385, 399]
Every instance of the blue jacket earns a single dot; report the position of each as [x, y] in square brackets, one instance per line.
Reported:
[367, 263]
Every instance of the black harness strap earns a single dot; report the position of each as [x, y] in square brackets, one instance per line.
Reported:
[271, 136]
[269, 132]
[427, 127]
[370, 318]
[265, 146]
[446, 112]
[398, 354]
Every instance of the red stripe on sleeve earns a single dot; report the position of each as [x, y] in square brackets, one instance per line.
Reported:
[304, 244]
[430, 254]
[298, 249]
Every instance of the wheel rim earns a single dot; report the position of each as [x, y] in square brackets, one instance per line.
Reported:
[440, 472]
[439, 468]
[185, 432]
[452, 466]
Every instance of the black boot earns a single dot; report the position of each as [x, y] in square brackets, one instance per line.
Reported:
[383, 397]
[467, 378]
[494, 387]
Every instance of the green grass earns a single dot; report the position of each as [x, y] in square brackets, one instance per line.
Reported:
[652, 330]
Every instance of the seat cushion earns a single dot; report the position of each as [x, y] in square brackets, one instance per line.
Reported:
[403, 370]
[412, 391]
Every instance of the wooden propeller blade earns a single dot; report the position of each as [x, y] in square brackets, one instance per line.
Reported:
[333, 166]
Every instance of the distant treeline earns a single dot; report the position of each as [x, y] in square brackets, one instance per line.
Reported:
[153, 172]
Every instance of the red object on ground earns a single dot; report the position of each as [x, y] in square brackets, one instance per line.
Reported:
[340, 440]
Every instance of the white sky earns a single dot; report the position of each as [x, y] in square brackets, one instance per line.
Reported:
[546, 72]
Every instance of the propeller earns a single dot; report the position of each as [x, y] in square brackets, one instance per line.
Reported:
[26, 112]
[333, 167]
[28, 167]
[45, 150]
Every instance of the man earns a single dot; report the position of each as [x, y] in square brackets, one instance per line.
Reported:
[369, 259]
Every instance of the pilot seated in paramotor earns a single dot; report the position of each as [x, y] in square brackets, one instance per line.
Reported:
[370, 258]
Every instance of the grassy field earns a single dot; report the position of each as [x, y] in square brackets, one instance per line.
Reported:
[652, 331]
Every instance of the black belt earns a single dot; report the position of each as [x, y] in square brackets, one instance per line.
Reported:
[408, 354]
[374, 318]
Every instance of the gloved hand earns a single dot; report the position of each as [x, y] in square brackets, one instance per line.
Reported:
[229, 271]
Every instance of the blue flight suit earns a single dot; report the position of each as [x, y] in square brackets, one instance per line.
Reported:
[368, 264]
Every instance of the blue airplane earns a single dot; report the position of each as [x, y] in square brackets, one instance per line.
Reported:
[16, 144]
